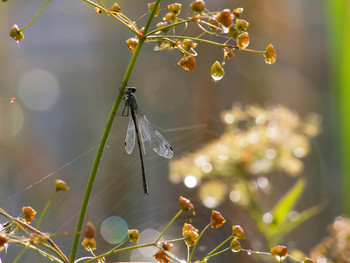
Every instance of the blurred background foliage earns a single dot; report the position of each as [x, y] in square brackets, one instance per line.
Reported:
[66, 73]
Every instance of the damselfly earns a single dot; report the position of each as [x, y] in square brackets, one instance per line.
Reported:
[144, 131]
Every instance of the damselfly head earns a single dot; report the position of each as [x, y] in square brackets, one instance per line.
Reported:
[130, 90]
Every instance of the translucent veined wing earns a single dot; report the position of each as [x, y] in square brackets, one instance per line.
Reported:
[130, 137]
[153, 137]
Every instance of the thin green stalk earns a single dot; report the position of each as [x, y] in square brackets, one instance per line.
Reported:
[45, 209]
[195, 244]
[217, 253]
[195, 39]
[35, 17]
[53, 258]
[168, 26]
[171, 221]
[119, 250]
[211, 252]
[105, 136]
[119, 245]
[19, 255]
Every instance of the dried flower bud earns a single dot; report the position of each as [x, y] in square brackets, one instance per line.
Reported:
[237, 12]
[217, 72]
[167, 246]
[89, 244]
[98, 10]
[151, 6]
[161, 256]
[198, 6]
[170, 17]
[190, 233]
[116, 8]
[161, 25]
[215, 23]
[187, 63]
[16, 34]
[270, 54]
[89, 230]
[61, 185]
[241, 25]
[134, 235]
[217, 219]
[243, 40]
[186, 204]
[3, 240]
[175, 8]
[224, 17]
[238, 232]
[235, 245]
[308, 260]
[29, 214]
[132, 43]
[229, 53]
[232, 31]
[279, 253]
[188, 44]
[13, 99]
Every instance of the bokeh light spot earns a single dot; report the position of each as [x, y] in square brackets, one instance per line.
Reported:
[38, 89]
[114, 229]
[190, 181]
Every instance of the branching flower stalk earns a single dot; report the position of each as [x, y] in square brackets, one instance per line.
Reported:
[105, 136]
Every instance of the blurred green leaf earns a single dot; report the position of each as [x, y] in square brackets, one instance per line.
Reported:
[286, 204]
[303, 216]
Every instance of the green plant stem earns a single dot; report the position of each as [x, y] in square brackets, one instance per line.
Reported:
[224, 242]
[53, 258]
[105, 137]
[119, 250]
[171, 221]
[217, 253]
[195, 244]
[119, 245]
[253, 51]
[45, 209]
[35, 17]
[19, 255]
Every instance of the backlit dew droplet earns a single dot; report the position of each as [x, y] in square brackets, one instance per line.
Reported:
[13, 99]
[243, 40]
[217, 72]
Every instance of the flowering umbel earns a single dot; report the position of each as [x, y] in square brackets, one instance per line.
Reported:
[217, 219]
[29, 214]
[190, 233]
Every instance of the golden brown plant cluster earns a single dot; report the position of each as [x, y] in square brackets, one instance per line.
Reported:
[258, 144]
[335, 247]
